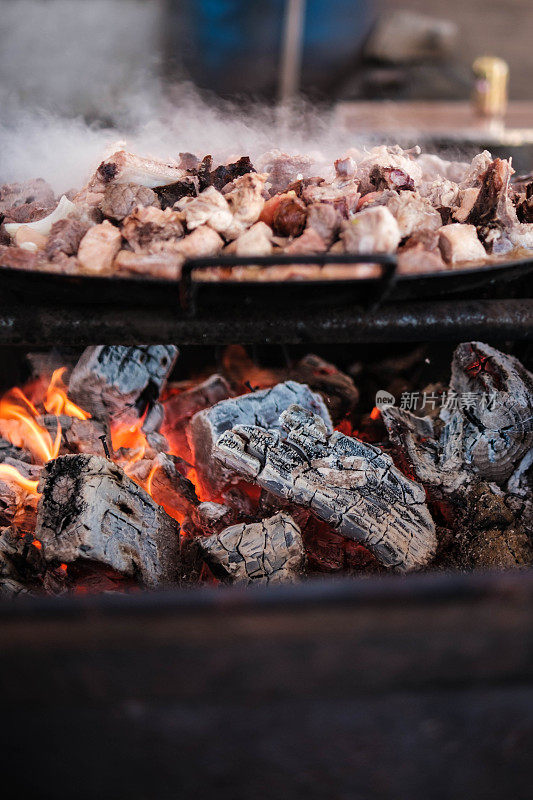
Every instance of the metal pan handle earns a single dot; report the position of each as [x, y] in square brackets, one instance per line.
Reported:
[388, 263]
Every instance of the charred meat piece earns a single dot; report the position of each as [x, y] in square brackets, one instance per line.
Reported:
[413, 213]
[29, 212]
[169, 195]
[120, 199]
[467, 199]
[493, 204]
[420, 253]
[226, 173]
[524, 209]
[289, 217]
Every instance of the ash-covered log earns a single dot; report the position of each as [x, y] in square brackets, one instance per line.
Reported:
[269, 551]
[498, 429]
[91, 511]
[121, 382]
[262, 408]
[351, 485]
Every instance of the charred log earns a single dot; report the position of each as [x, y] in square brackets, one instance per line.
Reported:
[270, 551]
[351, 485]
[261, 408]
[122, 382]
[91, 511]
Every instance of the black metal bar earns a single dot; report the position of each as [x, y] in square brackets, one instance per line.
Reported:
[188, 287]
[420, 321]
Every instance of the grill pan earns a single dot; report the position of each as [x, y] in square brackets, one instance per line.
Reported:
[502, 279]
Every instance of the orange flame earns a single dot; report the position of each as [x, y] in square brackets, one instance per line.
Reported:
[10, 473]
[56, 400]
[375, 413]
[22, 430]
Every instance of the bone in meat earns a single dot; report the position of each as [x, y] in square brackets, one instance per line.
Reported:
[118, 381]
[266, 552]
[350, 485]
[256, 408]
[123, 167]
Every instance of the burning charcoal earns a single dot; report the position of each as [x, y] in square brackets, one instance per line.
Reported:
[119, 381]
[498, 425]
[169, 195]
[212, 517]
[21, 564]
[337, 389]
[10, 451]
[351, 485]
[262, 408]
[18, 486]
[154, 418]
[180, 408]
[84, 436]
[289, 217]
[91, 511]
[372, 230]
[120, 199]
[270, 551]
[170, 488]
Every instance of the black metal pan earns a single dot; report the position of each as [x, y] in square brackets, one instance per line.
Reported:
[498, 280]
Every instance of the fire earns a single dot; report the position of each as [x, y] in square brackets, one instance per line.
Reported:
[130, 438]
[56, 400]
[375, 413]
[10, 473]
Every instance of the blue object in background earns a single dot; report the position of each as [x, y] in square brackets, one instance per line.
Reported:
[234, 45]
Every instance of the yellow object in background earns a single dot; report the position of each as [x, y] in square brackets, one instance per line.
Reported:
[490, 88]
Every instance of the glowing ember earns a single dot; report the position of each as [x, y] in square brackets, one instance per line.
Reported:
[10, 473]
[375, 413]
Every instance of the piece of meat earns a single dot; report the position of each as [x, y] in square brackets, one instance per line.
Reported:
[158, 265]
[392, 159]
[246, 202]
[521, 235]
[475, 170]
[373, 230]
[441, 192]
[289, 217]
[325, 220]
[120, 199]
[524, 206]
[459, 243]
[420, 253]
[466, 201]
[5, 238]
[299, 186]
[99, 247]
[201, 243]
[345, 168]
[256, 241]
[283, 169]
[169, 195]
[309, 242]
[413, 212]
[270, 206]
[66, 235]
[17, 258]
[189, 161]
[390, 178]
[151, 230]
[493, 212]
[344, 198]
[209, 208]
[435, 168]
[18, 194]
[123, 167]
[29, 212]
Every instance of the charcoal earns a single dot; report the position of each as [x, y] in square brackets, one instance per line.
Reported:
[121, 382]
[261, 408]
[212, 517]
[265, 552]
[17, 504]
[497, 434]
[170, 488]
[337, 389]
[349, 484]
[91, 511]
[8, 450]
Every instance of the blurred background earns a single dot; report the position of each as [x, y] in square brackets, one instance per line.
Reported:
[386, 66]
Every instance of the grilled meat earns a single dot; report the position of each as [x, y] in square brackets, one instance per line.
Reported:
[120, 199]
